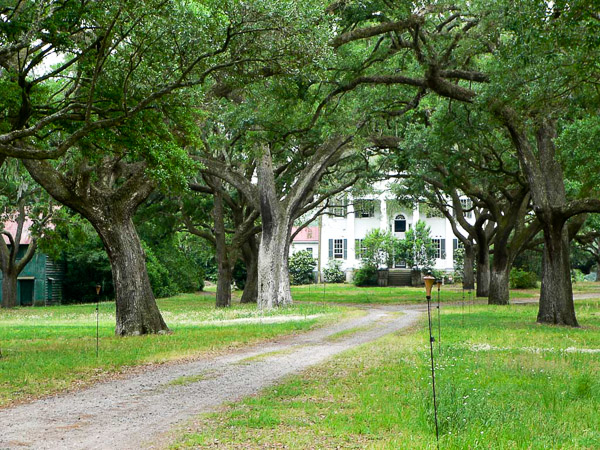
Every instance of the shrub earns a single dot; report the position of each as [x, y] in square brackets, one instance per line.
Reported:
[333, 273]
[239, 274]
[459, 264]
[520, 279]
[366, 276]
[577, 276]
[162, 285]
[301, 266]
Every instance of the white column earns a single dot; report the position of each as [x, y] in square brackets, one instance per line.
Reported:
[415, 215]
[351, 261]
[383, 223]
[449, 262]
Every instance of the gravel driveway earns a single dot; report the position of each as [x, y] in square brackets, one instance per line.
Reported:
[136, 412]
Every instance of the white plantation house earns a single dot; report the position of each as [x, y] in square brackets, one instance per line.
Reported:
[340, 233]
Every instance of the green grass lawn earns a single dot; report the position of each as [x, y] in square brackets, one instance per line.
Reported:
[503, 381]
[348, 293]
[48, 349]
[586, 287]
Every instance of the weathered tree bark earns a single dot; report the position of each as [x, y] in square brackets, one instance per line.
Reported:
[469, 268]
[110, 207]
[513, 231]
[223, 297]
[273, 276]
[250, 258]
[137, 312]
[9, 289]
[483, 269]
[556, 296]
[499, 280]
[546, 180]
[279, 211]
[243, 238]
[285, 291]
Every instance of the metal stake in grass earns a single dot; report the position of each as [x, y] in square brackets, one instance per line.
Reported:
[98, 287]
[439, 310]
[462, 309]
[471, 300]
[429, 280]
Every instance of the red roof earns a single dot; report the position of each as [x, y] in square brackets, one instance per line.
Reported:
[308, 234]
[11, 227]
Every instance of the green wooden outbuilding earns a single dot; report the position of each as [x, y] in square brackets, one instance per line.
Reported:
[40, 282]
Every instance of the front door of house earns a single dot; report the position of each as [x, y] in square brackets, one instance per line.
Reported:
[26, 292]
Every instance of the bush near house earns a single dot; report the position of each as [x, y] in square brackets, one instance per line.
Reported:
[333, 273]
[301, 267]
[366, 276]
[521, 279]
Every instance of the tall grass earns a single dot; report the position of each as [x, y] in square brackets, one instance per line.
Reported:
[503, 382]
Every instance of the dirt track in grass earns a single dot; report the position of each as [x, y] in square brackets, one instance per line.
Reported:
[139, 411]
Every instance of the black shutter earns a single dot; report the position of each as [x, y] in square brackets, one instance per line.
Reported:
[443, 245]
[330, 248]
[345, 248]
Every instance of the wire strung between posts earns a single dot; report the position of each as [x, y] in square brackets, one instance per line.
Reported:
[431, 341]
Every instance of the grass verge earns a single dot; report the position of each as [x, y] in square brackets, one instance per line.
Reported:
[49, 349]
[503, 381]
[348, 293]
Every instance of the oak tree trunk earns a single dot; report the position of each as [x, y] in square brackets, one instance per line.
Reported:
[9, 289]
[499, 282]
[556, 296]
[500, 274]
[137, 312]
[547, 183]
[285, 291]
[483, 271]
[250, 258]
[224, 277]
[469, 268]
[224, 280]
[273, 276]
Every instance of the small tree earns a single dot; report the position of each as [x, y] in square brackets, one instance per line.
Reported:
[459, 264]
[301, 267]
[417, 248]
[380, 249]
[26, 209]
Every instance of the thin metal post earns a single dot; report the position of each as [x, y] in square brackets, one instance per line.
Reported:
[462, 309]
[439, 322]
[431, 340]
[98, 288]
[97, 325]
[470, 300]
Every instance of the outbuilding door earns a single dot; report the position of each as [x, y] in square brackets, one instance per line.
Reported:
[26, 292]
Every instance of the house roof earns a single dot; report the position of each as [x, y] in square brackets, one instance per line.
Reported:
[11, 227]
[308, 234]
